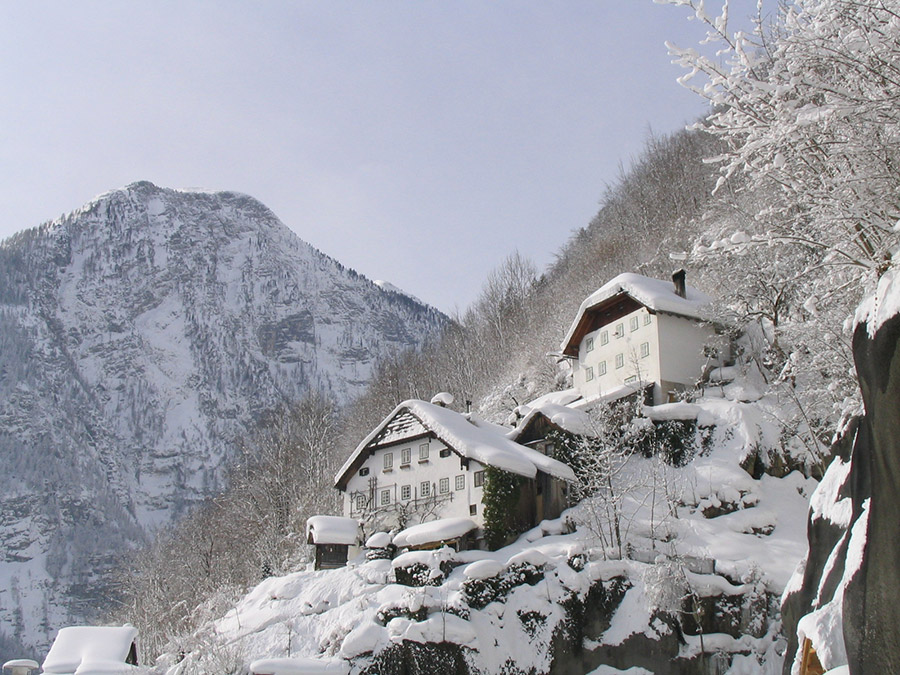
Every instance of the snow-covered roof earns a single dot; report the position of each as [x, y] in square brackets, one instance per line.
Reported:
[90, 650]
[445, 529]
[474, 439]
[332, 530]
[654, 294]
[574, 421]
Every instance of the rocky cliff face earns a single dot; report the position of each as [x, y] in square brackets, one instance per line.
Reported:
[846, 599]
[139, 336]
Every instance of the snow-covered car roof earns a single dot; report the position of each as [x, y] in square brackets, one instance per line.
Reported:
[474, 439]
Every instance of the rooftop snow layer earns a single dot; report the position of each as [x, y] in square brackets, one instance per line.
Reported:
[655, 294]
[332, 530]
[445, 529]
[90, 649]
[474, 439]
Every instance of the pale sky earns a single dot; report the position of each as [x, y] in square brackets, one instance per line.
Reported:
[419, 142]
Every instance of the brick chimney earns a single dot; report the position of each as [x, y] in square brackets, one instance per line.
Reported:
[678, 280]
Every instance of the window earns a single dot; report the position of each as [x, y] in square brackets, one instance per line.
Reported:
[604, 337]
[588, 374]
[423, 452]
[589, 345]
[360, 502]
[445, 452]
[632, 378]
[601, 368]
[620, 330]
[405, 456]
[364, 471]
[633, 323]
[461, 482]
[388, 461]
[405, 492]
[620, 360]
[645, 349]
[647, 319]
[425, 488]
[479, 478]
[385, 497]
[444, 486]
[473, 509]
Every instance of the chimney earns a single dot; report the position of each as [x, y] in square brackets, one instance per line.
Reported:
[678, 280]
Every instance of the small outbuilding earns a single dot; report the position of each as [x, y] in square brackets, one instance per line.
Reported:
[332, 536]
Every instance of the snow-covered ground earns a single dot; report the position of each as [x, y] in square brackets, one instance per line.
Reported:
[708, 528]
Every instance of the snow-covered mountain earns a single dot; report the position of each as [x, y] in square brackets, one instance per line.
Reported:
[138, 336]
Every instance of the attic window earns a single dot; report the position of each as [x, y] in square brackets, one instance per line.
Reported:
[364, 471]
[633, 323]
[589, 344]
[647, 319]
[445, 452]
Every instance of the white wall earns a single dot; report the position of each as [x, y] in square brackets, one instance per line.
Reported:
[453, 504]
[682, 344]
[675, 347]
[628, 345]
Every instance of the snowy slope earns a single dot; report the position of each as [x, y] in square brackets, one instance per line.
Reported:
[138, 336]
[709, 530]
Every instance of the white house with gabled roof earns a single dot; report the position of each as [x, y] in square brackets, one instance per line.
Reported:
[426, 462]
[636, 332]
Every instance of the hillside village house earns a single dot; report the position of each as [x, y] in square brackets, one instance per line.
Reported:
[426, 462]
[423, 468]
[636, 332]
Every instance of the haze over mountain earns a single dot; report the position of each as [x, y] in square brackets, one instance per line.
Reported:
[139, 336]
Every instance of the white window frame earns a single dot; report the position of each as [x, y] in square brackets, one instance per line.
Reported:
[444, 486]
[589, 344]
[425, 489]
[620, 361]
[620, 330]
[478, 478]
[405, 456]
[423, 452]
[388, 461]
[604, 337]
[601, 368]
[588, 374]
[647, 319]
[645, 349]
[634, 323]
[406, 492]
[460, 482]
[384, 497]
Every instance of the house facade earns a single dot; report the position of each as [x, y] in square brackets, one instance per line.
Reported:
[636, 332]
[425, 462]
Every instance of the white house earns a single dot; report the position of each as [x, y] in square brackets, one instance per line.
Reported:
[635, 332]
[425, 462]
